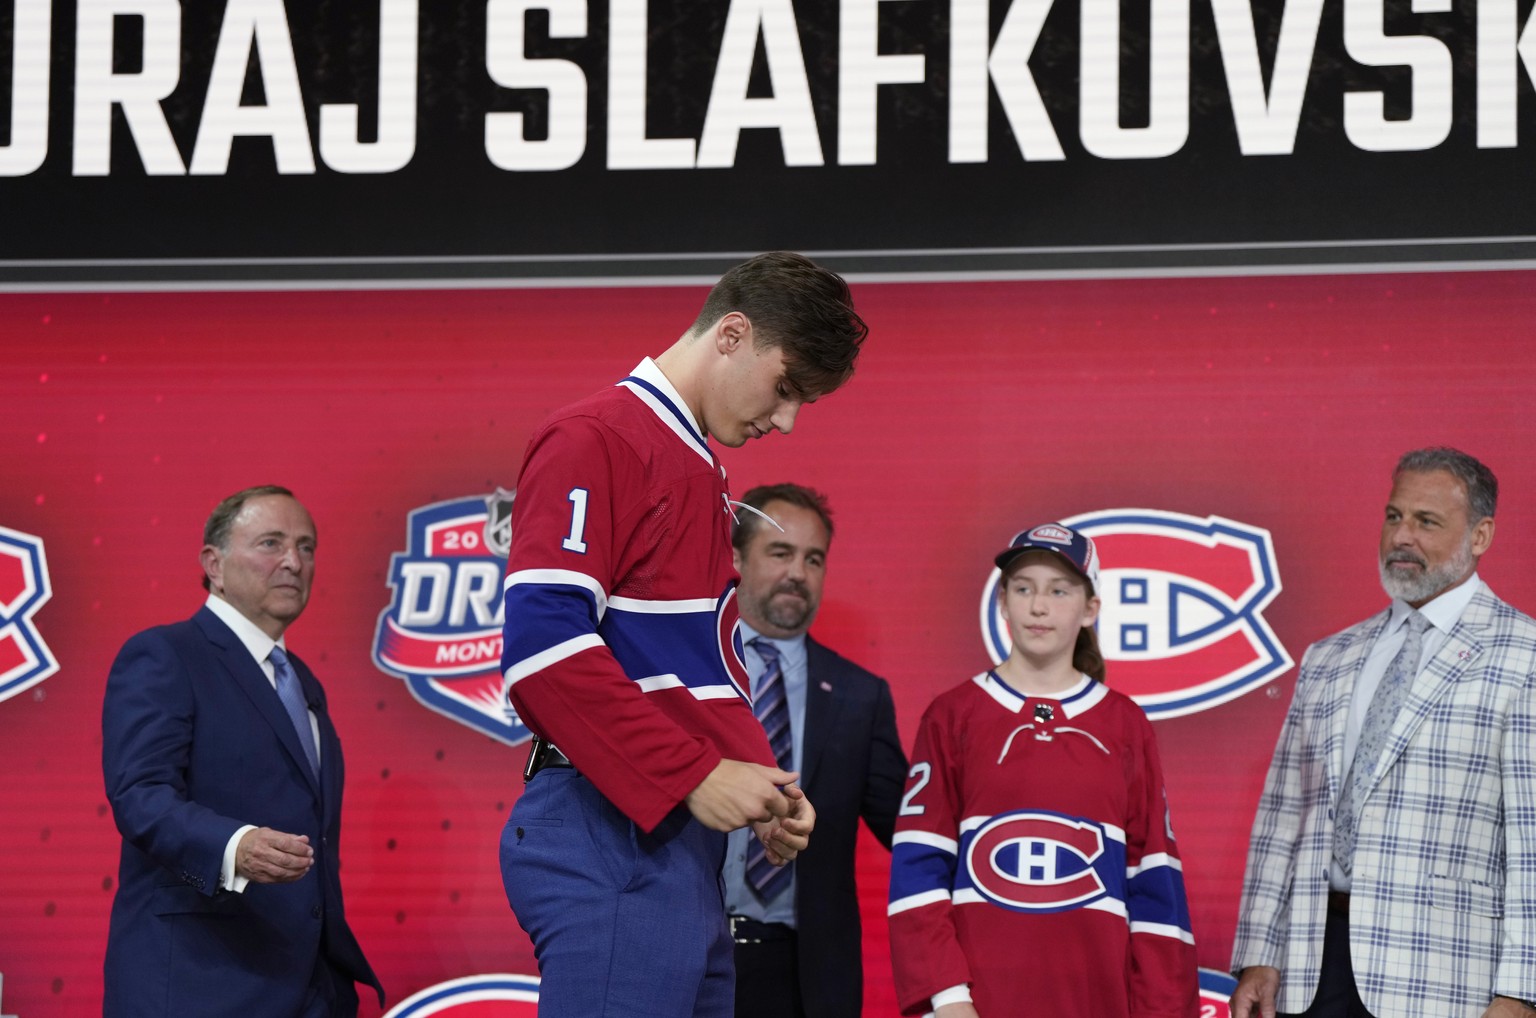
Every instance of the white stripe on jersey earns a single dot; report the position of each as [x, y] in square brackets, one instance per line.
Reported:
[687, 606]
[916, 901]
[549, 656]
[1163, 930]
[559, 578]
[938, 841]
[1111, 905]
[651, 683]
[1153, 861]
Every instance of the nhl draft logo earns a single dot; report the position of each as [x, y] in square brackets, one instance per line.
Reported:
[1181, 622]
[488, 996]
[1039, 861]
[442, 631]
[25, 659]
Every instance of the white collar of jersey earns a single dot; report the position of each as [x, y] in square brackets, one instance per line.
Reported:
[648, 383]
[1085, 694]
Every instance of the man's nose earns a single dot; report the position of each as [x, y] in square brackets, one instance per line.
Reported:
[784, 417]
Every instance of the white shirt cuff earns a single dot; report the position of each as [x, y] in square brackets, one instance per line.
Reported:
[228, 878]
[954, 995]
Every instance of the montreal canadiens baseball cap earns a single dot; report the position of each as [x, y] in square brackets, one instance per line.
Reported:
[1076, 548]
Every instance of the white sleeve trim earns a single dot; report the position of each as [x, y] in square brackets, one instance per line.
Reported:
[563, 578]
[938, 841]
[550, 656]
[1153, 861]
[688, 606]
[1164, 930]
[912, 901]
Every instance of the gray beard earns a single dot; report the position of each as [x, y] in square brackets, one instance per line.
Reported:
[1430, 582]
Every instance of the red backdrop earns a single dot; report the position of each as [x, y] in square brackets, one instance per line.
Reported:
[978, 408]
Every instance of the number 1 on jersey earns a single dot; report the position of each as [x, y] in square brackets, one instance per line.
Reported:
[578, 500]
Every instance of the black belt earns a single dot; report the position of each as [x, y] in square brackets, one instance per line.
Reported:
[542, 754]
[755, 931]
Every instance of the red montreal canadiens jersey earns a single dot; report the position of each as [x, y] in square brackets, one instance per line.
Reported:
[621, 619]
[1034, 860]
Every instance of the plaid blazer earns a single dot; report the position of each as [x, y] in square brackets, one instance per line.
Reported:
[1443, 906]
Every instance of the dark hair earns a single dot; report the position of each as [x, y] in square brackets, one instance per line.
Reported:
[1086, 656]
[747, 522]
[799, 307]
[1482, 487]
[221, 522]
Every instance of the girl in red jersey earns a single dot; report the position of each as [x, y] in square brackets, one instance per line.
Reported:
[1034, 867]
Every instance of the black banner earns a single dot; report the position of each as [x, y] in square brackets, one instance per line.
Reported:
[146, 143]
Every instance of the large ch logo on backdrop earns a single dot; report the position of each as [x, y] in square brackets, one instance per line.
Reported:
[25, 659]
[442, 631]
[490, 996]
[1181, 622]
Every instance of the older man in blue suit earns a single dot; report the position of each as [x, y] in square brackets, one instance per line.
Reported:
[225, 777]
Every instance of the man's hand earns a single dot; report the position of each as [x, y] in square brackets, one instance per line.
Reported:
[1507, 1007]
[265, 856]
[1255, 993]
[785, 837]
[737, 793]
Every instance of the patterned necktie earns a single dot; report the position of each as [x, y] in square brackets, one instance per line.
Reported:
[292, 696]
[772, 709]
[1385, 706]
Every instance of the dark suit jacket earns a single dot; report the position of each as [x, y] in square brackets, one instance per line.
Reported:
[852, 766]
[196, 744]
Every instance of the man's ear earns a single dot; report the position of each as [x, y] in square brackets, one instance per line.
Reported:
[213, 566]
[732, 331]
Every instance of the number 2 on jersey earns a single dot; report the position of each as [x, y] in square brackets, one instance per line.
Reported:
[573, 542]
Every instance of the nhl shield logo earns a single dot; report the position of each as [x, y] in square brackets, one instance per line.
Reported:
[488, 996]
[25, 659]
[1181, 624]
[442, 631]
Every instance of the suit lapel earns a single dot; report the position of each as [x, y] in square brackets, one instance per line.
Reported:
[253, 682]
[822, 704]
[1450, 665]
[1338, 693]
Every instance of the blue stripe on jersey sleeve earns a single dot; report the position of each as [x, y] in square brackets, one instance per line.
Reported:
[920, 869]
[1157, 896]
[542, 615]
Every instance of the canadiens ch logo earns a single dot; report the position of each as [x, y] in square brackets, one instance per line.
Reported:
[25, 659]
[1037, 861]
[442, 631]
[489, 996]
[1181, 622]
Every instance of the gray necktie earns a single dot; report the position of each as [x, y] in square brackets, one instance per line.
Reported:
[1385, 705]
[292, 696]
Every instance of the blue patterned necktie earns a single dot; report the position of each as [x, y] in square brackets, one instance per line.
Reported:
[292, 696]
[1385, 706]
[772, 709]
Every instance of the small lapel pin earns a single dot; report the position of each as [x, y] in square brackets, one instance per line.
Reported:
[826, 687]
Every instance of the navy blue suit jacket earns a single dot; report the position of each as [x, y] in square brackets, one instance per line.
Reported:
[196, 744]
[852, 766]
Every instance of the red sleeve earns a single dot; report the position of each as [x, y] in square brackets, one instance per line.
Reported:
[925, 952]
[1164, 977]
[580, 499]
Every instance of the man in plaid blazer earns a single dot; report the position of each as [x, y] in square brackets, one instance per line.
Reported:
[1420, 901]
